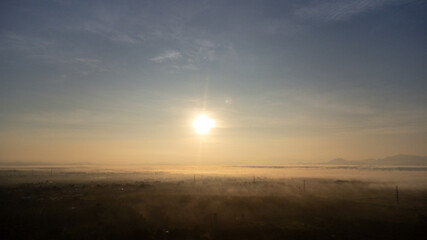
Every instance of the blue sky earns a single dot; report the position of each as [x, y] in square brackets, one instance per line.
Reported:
[285, 81]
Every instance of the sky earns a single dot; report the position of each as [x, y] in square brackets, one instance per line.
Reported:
[120, 82]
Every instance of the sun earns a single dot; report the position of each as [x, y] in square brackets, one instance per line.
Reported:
[202, 124]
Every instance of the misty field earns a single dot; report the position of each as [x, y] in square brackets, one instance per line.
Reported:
[293, 202]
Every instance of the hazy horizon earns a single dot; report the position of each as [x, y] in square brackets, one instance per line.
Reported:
[285, 82]
[402, 159]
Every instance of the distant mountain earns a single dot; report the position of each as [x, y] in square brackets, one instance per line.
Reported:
[341, 161]
[400, 159]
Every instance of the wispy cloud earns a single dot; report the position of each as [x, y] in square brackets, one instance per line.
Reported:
[189, 66]
[167, 55]
[201, 50]
[336, 10]
[90, 65]
[124, 38]
[194, 53]
[11, 41]
[49, 52]
[205, 43]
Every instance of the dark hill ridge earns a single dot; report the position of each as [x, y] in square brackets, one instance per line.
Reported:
[400, 159]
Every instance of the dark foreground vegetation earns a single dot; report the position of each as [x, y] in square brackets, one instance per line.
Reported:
[211, 208]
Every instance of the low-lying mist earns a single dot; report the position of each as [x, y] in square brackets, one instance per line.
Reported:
[405, 176]
[213, 202]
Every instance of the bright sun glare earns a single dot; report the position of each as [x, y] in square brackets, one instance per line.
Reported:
[203, 124]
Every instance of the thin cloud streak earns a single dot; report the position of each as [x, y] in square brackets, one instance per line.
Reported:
[167, 55]
[338, 10]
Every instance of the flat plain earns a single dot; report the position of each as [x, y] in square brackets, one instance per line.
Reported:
[173, 202]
